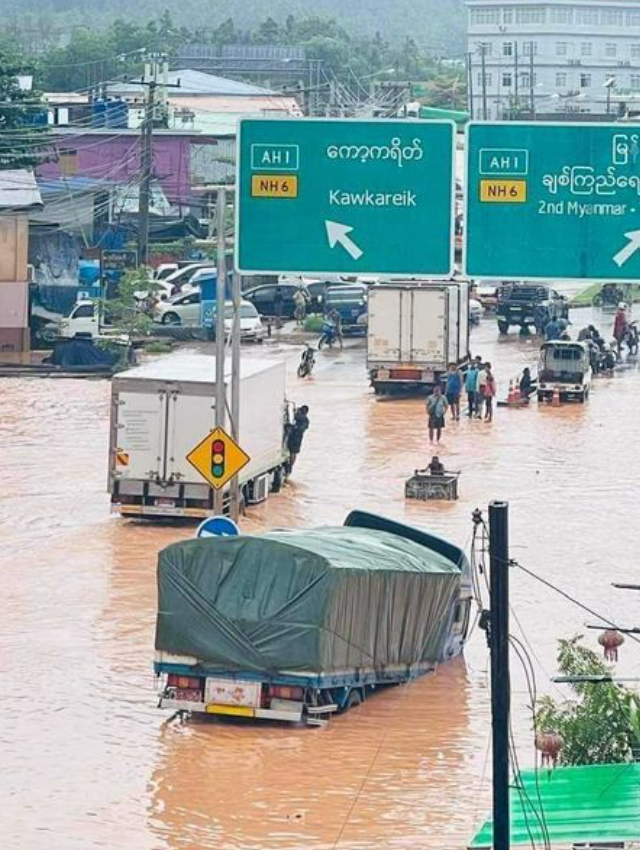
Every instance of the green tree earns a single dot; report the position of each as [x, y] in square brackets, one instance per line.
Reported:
[21, 113]
[126, 313]
[601, 722]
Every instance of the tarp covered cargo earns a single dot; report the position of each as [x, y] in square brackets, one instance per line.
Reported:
[320, 600]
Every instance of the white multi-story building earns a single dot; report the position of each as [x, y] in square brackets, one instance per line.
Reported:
[561, 56]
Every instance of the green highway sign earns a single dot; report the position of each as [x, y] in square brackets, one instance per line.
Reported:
[322, 196]
[553, 201]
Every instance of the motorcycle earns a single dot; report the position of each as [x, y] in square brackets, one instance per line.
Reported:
[307, 362]
[329, 335]
[609, 296]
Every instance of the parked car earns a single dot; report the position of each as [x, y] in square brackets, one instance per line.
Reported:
[180, 310]
[263, 298]
[351, 302]
[476, 311]
[251, 327]
[486, 293]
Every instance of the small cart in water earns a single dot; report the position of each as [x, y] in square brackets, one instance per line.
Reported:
[426, 486]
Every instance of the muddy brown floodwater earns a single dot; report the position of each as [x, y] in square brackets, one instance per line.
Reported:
[87, 759]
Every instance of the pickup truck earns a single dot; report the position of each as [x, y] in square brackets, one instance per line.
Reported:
[294, 625]
[517, 304]
[85, 322]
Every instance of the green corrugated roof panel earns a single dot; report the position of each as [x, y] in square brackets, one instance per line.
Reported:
[432, 113]
[580, 804]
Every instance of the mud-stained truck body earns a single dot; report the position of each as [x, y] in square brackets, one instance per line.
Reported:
[298, 624]
[162, 410]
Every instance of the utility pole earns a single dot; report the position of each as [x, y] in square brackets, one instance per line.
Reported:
[235, 388]
[147, 167]
[500, 680]
[515, 80]
[532, 80]
[470, 85]
[483, 66]
[221, 286]
[150, 79]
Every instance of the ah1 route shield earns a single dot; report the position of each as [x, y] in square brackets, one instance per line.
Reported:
[553, 201]
[345, 197]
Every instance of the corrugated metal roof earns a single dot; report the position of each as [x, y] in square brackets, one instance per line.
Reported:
[195, 82]
[19, 190]
[591, 804]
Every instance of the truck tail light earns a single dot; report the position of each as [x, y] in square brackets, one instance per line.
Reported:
[184, 683]
[286, 692]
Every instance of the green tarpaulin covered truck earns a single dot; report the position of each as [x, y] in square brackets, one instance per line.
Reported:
[296, 624]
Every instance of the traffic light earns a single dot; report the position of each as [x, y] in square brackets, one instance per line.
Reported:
[218, 458]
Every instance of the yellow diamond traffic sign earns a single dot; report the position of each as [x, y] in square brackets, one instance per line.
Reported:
[218, 458]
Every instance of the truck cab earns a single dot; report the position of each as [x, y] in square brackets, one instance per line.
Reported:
[518, 303]
[564, 370]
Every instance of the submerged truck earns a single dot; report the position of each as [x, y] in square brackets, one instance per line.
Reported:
[295, 625]
[164, 409]
[415, 331]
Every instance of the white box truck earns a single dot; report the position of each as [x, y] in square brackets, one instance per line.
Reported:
[415, 331]
[160, 411]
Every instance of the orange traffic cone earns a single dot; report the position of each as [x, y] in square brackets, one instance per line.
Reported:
[516, 393]
[555, 399]
[510, 397]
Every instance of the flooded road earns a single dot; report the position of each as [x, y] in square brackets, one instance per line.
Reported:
[89, 762]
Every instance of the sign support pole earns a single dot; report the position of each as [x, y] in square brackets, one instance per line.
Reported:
[500, 682]
[221, 285]
[235, 389]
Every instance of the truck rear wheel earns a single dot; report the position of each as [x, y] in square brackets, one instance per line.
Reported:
[354, 699]
[503, 327]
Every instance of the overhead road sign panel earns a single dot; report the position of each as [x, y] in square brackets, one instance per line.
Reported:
[345, 196]
[553, 201]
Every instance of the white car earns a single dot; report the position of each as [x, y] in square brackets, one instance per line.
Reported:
[476, 311]
[186, 310]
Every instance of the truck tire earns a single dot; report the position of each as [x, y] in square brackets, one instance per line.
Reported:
[540, 397]
[278, 480]
[354, 699]
[503, 327]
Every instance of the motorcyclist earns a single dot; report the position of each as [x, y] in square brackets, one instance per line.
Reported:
[335, 319]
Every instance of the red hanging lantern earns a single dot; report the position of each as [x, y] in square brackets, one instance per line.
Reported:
[549, 744]
[611, 640]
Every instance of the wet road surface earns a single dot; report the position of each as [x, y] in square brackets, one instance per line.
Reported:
[89, 762]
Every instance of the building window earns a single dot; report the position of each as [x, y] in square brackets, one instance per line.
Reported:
[561, 80]
[611, 50]
[507, 16]
[507, 81]
[484, 47]
[526, 80]
[507, 48]
[586, 17]
[635, 51]
[586, 48]
[633, 18]
[560, 15]
[488, 79]
[488, 15]
[634, 81]
[530, 47]
[585, 81]
[531, 15]
[612, 17]
[561, 48]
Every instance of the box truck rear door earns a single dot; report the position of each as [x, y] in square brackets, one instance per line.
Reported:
[140, 435]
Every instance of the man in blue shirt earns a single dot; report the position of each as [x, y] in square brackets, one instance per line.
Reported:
[553, 330]
[471, 388]
[453, 390]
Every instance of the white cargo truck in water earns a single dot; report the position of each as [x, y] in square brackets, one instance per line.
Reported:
[162, 410]
[415, 330]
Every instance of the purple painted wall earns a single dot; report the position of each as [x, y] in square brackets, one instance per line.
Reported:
[116, 156]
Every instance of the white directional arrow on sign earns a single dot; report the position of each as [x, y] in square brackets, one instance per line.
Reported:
[629, 249]
[338, 234]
